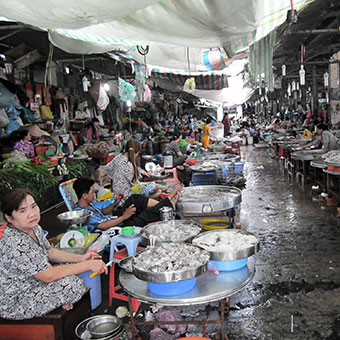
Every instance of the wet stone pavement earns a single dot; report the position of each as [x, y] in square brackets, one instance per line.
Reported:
[295, 293]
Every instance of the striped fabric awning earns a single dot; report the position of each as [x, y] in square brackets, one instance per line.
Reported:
[261, 61]
[203, 82]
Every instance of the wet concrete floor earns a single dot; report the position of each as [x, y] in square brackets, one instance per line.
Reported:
[295, 294]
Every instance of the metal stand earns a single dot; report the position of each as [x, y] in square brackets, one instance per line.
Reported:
[223, 309]
[209, 288]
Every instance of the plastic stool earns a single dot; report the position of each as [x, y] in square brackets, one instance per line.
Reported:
[172, 178]
[131, 243]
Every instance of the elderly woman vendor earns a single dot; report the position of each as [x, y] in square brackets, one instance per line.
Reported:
[30, 285]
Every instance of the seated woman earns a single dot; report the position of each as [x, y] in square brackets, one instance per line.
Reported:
[24, 144]
[178, 157]
[136, 210]
[30, 285]
[124, 173]
[89, 133]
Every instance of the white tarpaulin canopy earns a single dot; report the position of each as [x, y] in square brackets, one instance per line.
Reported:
[178, 32]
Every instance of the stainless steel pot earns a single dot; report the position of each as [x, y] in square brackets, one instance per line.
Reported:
[208, 198]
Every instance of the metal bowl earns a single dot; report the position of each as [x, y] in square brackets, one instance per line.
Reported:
[147, 158]
[170, 231]
[171, 275]
[126, 264]
[103, 325]
[228, 254]
[83, 334]
[74, 217]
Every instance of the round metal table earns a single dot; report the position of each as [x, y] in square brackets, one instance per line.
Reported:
[318, 163]
[209, 287]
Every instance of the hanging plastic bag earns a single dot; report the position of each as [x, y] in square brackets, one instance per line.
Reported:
[46, 113]
[126, 90]
[4, 120]
[189, 85]
[103, 99]
[147, 94]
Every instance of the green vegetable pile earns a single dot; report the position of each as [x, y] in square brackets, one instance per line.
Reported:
[29, 175]
[78, 169]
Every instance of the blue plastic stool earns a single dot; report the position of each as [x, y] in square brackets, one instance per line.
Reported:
[130, 242]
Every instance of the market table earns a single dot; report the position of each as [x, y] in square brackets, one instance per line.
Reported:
[209, 288]
[302, 159]
[332, 190]
[319, 164]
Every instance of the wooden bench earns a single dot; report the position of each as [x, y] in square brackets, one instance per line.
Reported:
[57, 325]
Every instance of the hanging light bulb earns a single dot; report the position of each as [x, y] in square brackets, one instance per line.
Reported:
[297, 86]
[326, 79]
[260, 91]
[293, 85]
[284, 70]
[302, 74]
[289, 90]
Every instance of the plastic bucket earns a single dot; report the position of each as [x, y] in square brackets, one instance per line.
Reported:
[229, 266]
[250, 140]
[171, 288]
[94, 284]
[244, 141]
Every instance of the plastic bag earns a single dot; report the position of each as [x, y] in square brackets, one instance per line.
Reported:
[46, 113]
[4, 120]
[126, 90]
[189, 85]
[159, 334]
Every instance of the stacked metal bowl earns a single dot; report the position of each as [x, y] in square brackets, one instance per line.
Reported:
[100, 327]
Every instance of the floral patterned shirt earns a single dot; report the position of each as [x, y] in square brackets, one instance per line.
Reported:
[23, 296]
[120, 170]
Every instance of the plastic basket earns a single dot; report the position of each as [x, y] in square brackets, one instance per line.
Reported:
[205, 178]
[238, 166]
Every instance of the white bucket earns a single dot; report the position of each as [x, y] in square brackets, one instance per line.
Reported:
[250, 140]
[244, 141]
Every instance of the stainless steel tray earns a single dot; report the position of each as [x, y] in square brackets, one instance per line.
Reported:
[229, 254]
[208, 198]
[220, 156]
[169, 231]
[170, 276]
[209, 287]
[332, 163]
[306, 155]
[198, 167]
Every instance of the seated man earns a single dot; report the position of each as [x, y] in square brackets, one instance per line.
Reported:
[136, 210]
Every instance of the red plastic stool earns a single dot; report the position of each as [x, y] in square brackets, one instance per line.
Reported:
[119, 255]
[173, 177]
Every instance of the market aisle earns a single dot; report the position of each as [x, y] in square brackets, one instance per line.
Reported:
[296, 291]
